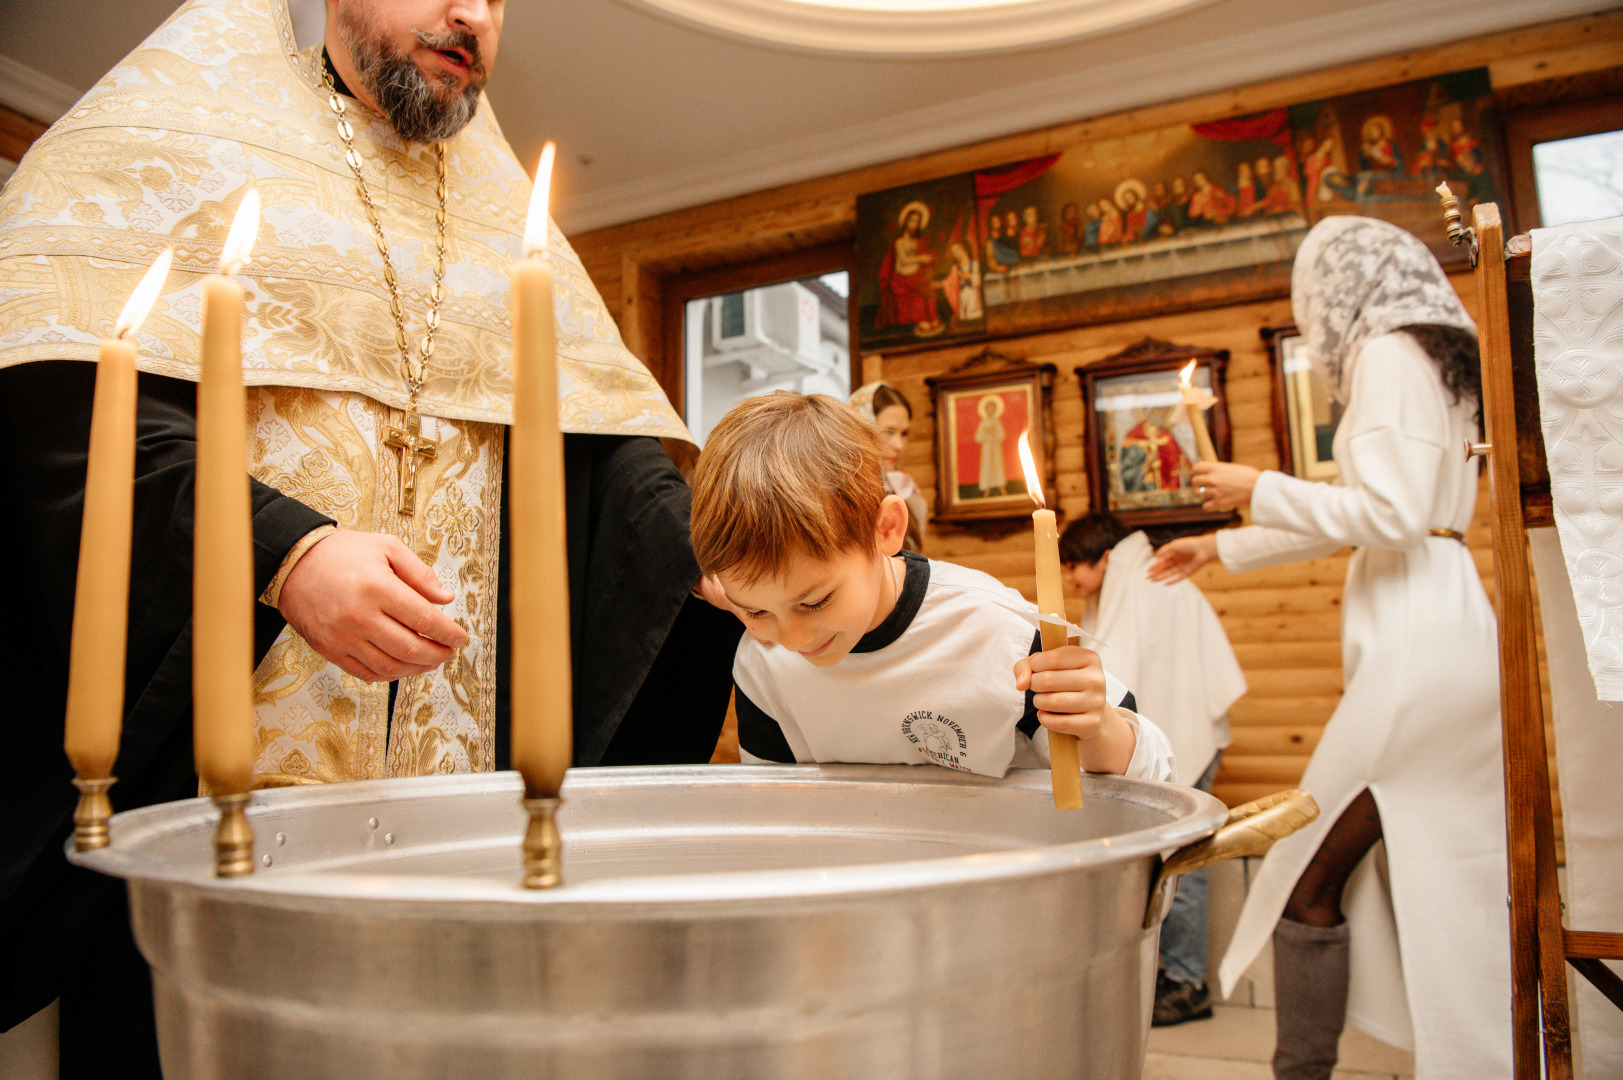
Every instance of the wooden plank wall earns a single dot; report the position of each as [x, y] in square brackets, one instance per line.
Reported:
[1284, 622]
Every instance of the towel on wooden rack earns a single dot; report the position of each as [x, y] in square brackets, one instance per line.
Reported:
[1578, 335]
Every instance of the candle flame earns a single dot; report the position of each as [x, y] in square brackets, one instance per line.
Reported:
[537, 228]
[1034, 484]
[145, 295]
[239, 242]
[1187, 374]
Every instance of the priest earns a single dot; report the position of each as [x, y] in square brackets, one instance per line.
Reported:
[376, 348]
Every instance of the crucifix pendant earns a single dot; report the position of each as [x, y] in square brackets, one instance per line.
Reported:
[411, 444]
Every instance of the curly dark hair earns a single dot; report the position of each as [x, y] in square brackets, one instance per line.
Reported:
[1457, 357]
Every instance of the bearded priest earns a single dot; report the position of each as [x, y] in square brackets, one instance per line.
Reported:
[376, 346]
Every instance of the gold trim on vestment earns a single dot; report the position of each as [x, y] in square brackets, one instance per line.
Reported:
[161, 151]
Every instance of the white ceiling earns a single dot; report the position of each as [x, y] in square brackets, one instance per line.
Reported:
[669, 116]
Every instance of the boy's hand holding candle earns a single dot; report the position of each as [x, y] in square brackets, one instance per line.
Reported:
[1069, 688]
[1084, 730]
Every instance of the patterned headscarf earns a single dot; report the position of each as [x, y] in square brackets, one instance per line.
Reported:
[862, 400]
[1356, 278]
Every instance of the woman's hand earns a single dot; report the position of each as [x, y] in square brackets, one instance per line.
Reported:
[1177, 559]
[1224, 485]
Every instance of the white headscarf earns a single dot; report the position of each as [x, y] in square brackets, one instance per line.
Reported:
[1356, 278]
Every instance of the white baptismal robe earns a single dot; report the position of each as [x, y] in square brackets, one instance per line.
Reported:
[1166, 642]
[1418, 723]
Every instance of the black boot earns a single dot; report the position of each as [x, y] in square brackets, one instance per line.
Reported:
[1177, 1001]
[1310, 994]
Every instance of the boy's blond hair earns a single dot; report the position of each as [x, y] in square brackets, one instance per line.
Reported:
[784, 475]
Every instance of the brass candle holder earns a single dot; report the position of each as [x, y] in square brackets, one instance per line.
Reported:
[90, 817]
[543, 845]
[233, 837]
[1459, 234]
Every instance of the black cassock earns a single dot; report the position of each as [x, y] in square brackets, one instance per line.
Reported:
[652, 669]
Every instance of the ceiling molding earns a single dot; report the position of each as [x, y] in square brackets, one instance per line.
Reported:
[36, 96]
[1250, 57]
[878, 29]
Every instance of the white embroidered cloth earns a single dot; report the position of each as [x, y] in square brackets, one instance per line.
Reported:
[1578, 335]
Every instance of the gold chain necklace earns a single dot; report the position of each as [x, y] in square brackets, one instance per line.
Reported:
[409, 441]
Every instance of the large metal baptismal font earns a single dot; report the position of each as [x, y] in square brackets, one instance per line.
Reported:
[714, 921]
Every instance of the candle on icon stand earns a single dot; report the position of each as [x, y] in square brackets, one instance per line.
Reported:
[542, 709]
[1064, 755]
[222, 564]
[1196, 400]
[95, 712]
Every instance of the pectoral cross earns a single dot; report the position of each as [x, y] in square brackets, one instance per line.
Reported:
[411, 444]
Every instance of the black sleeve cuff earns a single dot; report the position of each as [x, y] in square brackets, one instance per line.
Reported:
[758, 733]
[279, 523]
[1028, 723]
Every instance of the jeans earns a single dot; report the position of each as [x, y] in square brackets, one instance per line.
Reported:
[1185, 931]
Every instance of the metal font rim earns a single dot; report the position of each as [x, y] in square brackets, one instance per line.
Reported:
[131, 829]
[912, 28]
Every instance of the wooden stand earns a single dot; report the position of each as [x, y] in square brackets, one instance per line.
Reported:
[1519, 487]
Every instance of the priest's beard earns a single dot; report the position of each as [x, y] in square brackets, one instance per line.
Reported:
[415, 104]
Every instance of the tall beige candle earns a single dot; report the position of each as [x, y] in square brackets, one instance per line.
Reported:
[1195, 403]
[101, 597]
[1064, 755]
[223, 563]
[542, 709]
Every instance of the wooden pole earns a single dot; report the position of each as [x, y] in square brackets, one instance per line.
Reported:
[1537, 956]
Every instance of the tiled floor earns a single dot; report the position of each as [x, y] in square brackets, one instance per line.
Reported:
[1237, 1042]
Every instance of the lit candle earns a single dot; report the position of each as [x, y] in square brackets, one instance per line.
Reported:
[542, 713]
[541, 701]
[222, 565]
[1195, 403]
[1064, 756]
[101, 597]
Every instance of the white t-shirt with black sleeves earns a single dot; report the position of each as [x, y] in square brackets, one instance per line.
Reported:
[932, 684]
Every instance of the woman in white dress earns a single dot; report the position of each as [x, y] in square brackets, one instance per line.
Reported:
[1393, 901]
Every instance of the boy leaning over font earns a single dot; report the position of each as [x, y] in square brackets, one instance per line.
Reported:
[859, 652]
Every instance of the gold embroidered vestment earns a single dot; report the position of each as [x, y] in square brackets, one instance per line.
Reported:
[160, 153]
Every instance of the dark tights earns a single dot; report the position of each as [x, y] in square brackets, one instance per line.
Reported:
[1316, 900]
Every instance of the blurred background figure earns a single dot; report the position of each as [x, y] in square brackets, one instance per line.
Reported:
[886, 408]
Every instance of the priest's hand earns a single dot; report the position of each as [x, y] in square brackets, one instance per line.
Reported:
[1177, 559]
[365, 602]
[1224, 485]
[1068, 688]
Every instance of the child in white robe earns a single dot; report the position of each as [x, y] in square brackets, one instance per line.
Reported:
[859, 653]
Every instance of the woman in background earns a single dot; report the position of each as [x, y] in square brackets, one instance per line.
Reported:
[1412, 943]
[882, 405]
